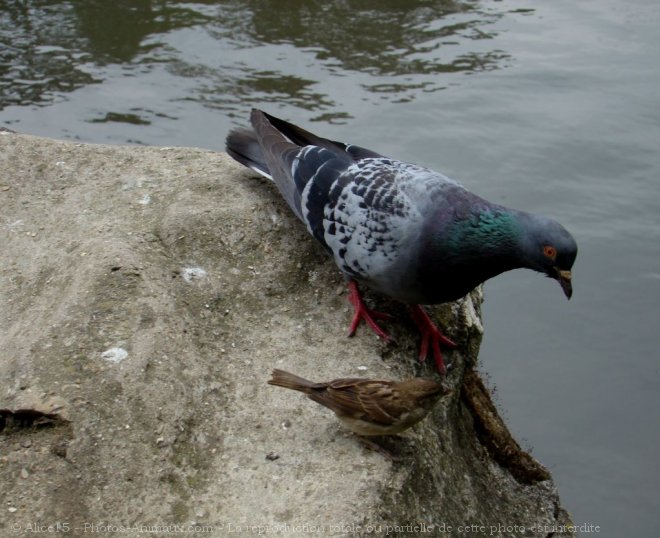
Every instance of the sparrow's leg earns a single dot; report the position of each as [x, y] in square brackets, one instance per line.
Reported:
[372, 445]
[431, 336]
[364, 313]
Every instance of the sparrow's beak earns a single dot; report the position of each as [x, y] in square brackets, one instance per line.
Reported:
[564, 279]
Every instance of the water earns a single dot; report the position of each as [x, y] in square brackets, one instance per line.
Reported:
[551, 107]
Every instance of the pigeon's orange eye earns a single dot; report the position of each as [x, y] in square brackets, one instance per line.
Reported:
[550, 252]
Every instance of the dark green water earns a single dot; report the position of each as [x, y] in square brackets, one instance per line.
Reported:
[552, 107]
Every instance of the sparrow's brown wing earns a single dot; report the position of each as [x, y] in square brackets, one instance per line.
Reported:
[339, 395]
[364, 399]
[378, 402]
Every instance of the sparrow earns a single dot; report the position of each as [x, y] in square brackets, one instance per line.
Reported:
[369, 407]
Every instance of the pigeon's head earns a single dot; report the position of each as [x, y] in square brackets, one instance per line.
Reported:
[550, 249]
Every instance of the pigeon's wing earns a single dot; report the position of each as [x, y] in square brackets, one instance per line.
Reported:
[374, 218]
[367, 210]
[364, 217]
[345, 194]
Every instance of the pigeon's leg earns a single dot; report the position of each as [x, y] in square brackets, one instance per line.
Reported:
[431, 336]
[364, 313]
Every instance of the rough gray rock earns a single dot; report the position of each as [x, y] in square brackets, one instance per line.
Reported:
[146, 295]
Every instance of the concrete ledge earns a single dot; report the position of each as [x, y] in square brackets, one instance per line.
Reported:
[147, 293]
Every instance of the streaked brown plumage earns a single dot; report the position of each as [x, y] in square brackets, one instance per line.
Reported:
[370, 406]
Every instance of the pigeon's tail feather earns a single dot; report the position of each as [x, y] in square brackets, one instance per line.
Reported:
[301, 137]
[280, 378]
[243, 146]
[280, 154]
[293, 157]
[295, 134]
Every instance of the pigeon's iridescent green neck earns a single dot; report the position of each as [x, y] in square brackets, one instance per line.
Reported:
[475, 245]
[493, 231]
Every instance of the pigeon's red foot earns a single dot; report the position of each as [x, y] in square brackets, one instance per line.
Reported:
[431, 337]
[364, 313]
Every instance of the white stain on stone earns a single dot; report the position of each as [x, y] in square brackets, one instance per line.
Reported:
[144, 200]
[114, 354]
[192, 273]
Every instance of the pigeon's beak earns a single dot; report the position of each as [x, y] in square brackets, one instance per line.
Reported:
[564, 279]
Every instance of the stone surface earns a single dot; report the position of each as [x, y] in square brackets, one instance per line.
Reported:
[146, 295]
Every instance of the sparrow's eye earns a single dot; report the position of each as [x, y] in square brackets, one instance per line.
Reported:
[550, 252]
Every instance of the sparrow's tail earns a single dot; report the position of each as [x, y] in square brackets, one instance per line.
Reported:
[292, 381]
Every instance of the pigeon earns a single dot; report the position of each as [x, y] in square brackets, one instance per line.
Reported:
[370, 406]
[400, 229]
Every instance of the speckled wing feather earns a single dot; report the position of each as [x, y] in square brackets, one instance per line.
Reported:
[371, 217]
